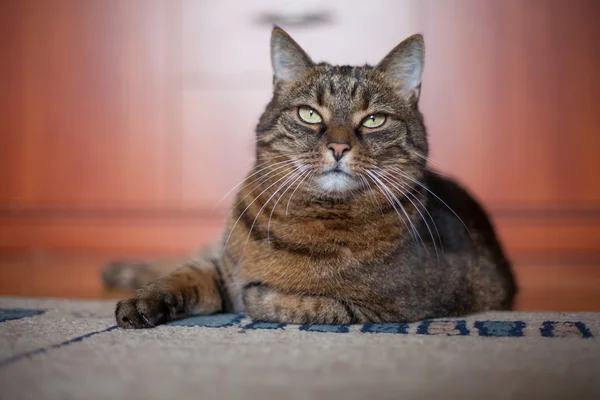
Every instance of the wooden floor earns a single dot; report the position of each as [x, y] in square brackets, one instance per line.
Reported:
[542, 287]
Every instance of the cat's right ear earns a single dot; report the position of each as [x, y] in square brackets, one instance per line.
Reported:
[287, 57]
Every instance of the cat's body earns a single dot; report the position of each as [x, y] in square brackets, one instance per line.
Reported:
[339, 221]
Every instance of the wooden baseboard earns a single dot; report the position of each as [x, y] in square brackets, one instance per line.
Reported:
[112, 234]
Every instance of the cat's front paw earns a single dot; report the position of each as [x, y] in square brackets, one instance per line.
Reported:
[145, 312]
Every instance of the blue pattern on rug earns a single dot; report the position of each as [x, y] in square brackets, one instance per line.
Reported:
[324, 328]
[443, 327]
[565, 329]
[553, 329]
[210, 321]
[264, 325]
[500, 328]
[8, 314]
[390, 327]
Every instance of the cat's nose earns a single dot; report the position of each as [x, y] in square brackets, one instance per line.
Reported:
[339, 149]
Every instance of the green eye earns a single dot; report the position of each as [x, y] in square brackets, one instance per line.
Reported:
[373, 121]
[309, 115]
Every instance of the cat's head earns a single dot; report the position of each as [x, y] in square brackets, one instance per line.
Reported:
[339, 129]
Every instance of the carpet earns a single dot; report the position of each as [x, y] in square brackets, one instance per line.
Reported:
[67, 349]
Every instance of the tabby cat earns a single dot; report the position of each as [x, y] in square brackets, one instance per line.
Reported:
[339, 221]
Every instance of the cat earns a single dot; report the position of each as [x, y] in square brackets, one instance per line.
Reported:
[339, 221]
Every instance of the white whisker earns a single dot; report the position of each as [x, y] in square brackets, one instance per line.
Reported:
[292, 195]
[303, 173]
[250, 176]
[427, 159]
[414, 228]
[390, 198]
[291, 175]
[381, 173]
[368, 187]
[407, 189]
[246, 209]
[261, 180]
[399, 172]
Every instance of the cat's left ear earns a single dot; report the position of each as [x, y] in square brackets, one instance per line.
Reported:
[287, 57]
[404, 66]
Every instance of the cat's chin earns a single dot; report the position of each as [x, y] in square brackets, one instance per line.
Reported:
[335, 184]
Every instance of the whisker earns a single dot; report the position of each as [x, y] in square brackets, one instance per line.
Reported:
[267, 167]
[291, 175]
[292, 195]
[427, 159]
[368, 188]
[261, 180]
[414, 228]
[303, 173]
[404, 193]
[391, 200]
[408, 188]
[246, 209]
[399, 172]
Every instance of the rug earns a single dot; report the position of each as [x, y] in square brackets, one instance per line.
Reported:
[67, 349]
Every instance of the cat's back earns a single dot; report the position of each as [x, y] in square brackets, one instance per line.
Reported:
[465, 227]
[459, 217]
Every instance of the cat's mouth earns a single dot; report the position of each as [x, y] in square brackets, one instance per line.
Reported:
[336, 170]
[336, 180]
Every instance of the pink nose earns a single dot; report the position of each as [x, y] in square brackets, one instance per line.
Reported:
[338, 149]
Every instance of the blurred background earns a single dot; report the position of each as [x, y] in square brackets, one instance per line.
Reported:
[124, 122]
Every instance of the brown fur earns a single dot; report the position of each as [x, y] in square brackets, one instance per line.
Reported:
[307, 245]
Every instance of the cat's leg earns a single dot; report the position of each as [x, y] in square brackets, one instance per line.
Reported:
[194, 288]
[264, 303]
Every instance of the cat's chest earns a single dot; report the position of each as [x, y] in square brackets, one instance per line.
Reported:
[329, 230]
[330, 219]
[320, 255]
[328, 210]
[293, 270]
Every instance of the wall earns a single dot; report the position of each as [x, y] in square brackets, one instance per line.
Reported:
[122, 123]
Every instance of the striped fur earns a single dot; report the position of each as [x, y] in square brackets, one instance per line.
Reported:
[372, 237]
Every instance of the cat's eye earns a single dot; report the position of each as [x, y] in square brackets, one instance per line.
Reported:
[309, 115]
[373, 121]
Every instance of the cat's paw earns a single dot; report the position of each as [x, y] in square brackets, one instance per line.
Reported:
[145, 312]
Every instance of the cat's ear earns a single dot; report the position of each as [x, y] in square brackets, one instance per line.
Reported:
[404, 66]
[287, 57]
